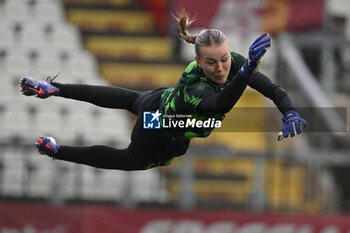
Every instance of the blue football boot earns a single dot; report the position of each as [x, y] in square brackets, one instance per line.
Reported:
[42, 89]
[47, 146]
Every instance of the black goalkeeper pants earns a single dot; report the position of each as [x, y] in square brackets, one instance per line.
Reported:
[147, 148]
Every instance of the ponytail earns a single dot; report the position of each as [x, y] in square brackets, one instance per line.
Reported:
[206, 37]
[184, 23]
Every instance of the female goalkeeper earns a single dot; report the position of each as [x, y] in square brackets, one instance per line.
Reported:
[209, 87]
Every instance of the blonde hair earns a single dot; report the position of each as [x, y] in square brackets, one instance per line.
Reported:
[184, 23]
[206, 37]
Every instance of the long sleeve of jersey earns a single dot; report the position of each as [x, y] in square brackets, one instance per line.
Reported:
[271, 90]
[225, 99]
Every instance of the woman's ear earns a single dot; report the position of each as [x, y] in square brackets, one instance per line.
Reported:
[197, 60]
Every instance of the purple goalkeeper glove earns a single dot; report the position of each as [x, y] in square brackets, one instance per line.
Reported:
[256, 52]
[292, 124]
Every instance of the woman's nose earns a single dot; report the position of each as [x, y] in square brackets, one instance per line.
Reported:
[219, 67]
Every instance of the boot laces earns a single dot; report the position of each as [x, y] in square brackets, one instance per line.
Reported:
[50, 80]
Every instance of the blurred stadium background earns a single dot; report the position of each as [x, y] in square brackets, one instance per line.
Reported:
[229, 182]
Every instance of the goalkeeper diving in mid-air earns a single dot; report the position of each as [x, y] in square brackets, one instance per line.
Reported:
[209, 88]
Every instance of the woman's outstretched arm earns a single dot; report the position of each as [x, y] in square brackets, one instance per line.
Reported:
[224, 100]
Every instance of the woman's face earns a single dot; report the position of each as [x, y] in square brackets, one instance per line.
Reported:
[215, 61]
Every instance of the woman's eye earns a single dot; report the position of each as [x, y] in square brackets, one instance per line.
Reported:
[224, 60]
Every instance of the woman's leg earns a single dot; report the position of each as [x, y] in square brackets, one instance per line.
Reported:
[100, 157]
[103, 96]
[146, 150]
